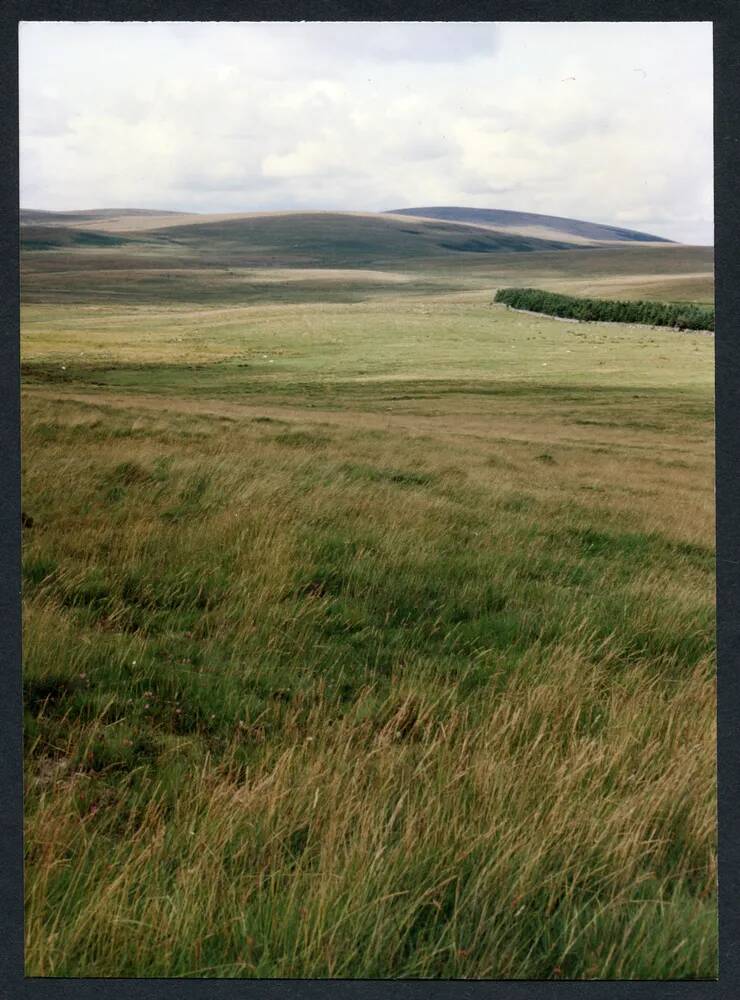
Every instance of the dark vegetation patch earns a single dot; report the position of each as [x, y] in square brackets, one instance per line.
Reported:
[517, 502]
[38, 569]
[376, 618]
[302, 439]
[58, 237]
[508, 243]
[399, 477]
[116, 482]
[47, 690]
[683, 315]
[634, 548]
[374, 610]
[141, 600]
[193, 501]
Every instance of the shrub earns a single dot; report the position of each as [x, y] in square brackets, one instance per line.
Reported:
[684, 315]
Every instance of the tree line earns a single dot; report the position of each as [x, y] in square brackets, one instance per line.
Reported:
[684, 315]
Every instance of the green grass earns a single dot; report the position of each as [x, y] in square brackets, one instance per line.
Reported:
[366, 639]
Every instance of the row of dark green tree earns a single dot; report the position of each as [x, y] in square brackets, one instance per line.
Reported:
[684, 315]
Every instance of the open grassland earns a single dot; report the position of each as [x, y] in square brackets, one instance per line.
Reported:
[367, 637]
[161, 272]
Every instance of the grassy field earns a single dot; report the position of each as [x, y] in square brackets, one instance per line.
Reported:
[369, 626]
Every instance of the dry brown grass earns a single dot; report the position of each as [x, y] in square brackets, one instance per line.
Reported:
[555, 820]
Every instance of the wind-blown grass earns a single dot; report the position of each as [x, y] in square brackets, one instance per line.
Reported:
[368, 627]
[328, 699]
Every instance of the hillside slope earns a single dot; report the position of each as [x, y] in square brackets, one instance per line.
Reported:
[531, 224]
[307, 239]
[91, 217]
[338, 237]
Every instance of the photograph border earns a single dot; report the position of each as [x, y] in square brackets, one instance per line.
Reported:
[725, 15]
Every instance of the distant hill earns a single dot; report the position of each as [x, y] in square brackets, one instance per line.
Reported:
[528, 225]
[85, 217]
[532, 224]
[314, 239]
[336, 237]
[310, 239]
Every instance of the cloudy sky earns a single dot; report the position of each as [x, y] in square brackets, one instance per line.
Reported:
[606, 122]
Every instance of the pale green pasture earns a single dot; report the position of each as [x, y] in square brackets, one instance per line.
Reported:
[387, 338]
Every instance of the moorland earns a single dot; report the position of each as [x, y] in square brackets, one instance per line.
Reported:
[368, 623]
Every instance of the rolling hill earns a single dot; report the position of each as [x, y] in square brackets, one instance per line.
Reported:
[527, 225]
[530, 224]
[334, 238]
[309, 239]
[318, 239]
[143, 255]
[103, 218]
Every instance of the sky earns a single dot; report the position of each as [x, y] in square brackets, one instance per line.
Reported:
[607, 122]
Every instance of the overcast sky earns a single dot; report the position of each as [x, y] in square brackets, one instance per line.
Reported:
[605, 122]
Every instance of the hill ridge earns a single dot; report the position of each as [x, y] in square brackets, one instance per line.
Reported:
[530, 223]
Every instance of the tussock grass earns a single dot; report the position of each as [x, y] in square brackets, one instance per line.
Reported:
[549, 830]
[430, 695]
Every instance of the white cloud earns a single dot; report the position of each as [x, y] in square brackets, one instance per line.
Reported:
[609, 122]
